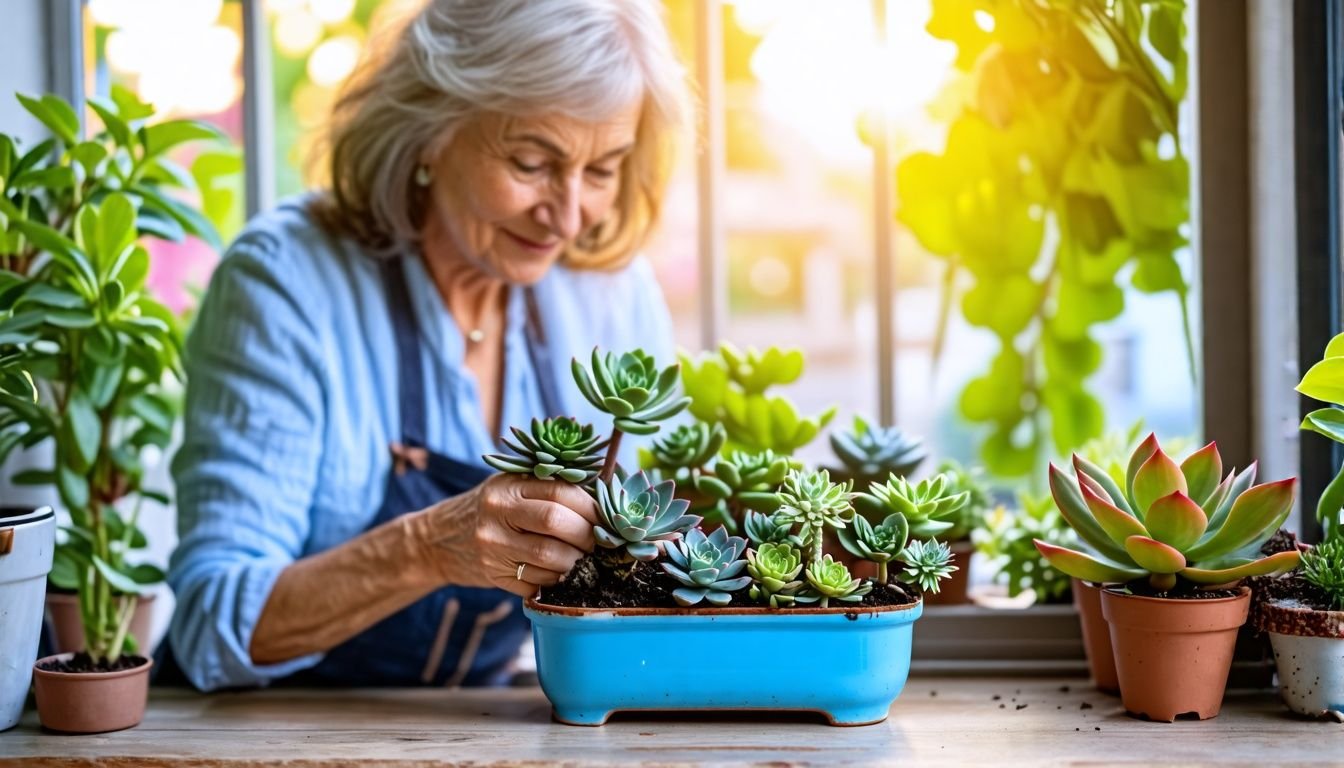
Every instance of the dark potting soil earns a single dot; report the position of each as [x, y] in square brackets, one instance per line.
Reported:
[1142, 590]
[83, 662]
[1283, 540]
[593, 583]
[1289, 588]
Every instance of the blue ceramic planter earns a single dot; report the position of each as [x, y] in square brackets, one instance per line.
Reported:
[849, 664]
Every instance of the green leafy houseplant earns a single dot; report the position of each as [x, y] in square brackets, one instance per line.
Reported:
[1325, 381]
[1172, 526]
[1062, 175]
[74, 311]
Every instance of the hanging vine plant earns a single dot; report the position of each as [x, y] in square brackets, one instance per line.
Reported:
[1062, 181]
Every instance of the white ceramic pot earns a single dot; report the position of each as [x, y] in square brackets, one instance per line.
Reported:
[27, 541]
[1309, 652]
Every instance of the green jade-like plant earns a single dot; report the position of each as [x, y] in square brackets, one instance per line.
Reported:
[557, 448]
[683, 454]
[926, 505]
[810, 500]
[634, 516]
[871, 453]
[75, 314]
[729, 388]
[707, 567]
[1172, 524]
[774, 569]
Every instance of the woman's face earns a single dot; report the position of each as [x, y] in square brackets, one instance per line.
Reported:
[509, 193]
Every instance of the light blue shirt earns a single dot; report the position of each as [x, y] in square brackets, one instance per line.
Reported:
[292, 401]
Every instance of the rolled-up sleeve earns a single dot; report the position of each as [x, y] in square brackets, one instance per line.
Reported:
[247, 469]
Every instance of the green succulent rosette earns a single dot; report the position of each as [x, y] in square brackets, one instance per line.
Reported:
[926, 505]
[870, 453]
[879, 543]
[631, 388]
[559, 448]
[811, 501]
[707, 567]
[774, 570]
[635, 515]
[830, 580]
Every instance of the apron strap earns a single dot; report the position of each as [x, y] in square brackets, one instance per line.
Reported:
[410, 370]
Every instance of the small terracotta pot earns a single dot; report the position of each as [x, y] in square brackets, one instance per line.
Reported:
[954, 589]
[90, 702]
[1173, 656]
[1096, 637]
[67, 628]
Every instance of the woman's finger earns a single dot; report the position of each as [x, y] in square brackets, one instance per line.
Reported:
[567, 494]
[541, 551]
[549, 518]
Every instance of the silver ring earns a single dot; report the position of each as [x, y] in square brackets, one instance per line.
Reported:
[521, 566]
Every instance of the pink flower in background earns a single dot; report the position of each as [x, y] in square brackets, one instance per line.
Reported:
[178, 272]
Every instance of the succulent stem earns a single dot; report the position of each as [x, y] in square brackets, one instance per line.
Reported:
[613, 447]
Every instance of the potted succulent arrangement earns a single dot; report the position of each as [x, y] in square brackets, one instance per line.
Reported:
[27, 538]
[1303, 612]
[74, 312]
[658, 584]
[1172, 545]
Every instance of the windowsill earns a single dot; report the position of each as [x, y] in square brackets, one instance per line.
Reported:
[937, 721]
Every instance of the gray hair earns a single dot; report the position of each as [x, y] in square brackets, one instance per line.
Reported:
[459, 59]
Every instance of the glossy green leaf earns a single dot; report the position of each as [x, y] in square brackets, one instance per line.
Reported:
[55, 114]
[116, 227]
[112, 122]
[161, 137]
[1326, 421]
[85, 430]
[1335, 348]
[1142, 453]
[1325, 381]
[121, 582]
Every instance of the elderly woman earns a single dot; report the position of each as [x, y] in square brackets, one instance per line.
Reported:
[493, 172]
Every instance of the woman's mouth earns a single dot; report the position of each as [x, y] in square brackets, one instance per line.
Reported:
[533, 245]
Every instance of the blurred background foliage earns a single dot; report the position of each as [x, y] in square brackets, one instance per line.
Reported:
[1062, 180]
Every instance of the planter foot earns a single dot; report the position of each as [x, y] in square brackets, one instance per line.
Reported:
[857, 715]
[586, 717]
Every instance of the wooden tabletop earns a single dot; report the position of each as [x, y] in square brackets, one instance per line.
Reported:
[937, 721]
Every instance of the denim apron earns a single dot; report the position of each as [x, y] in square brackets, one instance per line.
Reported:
[455, 635]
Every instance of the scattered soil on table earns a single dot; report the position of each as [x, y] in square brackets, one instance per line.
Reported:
[82, 662]
[593, 583]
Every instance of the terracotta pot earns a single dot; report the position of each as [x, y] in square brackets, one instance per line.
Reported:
[67, 628]
[1096, 637]
[1309, 650]
[1173, 656]
[954, 589]
[90, 702]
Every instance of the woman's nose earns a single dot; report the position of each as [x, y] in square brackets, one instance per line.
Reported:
[562, 213]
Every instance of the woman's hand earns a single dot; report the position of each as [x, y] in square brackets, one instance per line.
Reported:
[482, 537]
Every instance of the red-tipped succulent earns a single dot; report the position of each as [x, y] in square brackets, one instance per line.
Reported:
[1170, 522]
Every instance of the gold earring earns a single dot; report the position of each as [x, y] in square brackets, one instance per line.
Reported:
[422, 177]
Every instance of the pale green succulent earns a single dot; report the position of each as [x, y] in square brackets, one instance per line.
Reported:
[831, 580]
[1171, 524]
[774, 569]
[926, 562]
[634, 515]
[814, 503]
[630, 388]
[707, 567]
[879, 543]
[763, 528]
[742, 482]
[685, 450]
[1323, 566]
[560, 448]
[926, 505]
[871, 453]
